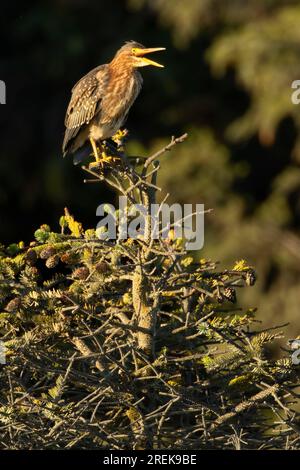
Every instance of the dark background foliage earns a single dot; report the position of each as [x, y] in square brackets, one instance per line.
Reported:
[227, 80]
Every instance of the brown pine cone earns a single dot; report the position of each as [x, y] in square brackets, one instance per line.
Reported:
[81, 273]
[102, 267]
[69, 258]
[31, 257]
[47, 252]
[13, 305]
[52, 261]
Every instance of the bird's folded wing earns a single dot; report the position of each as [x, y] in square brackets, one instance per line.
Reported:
[86, 98]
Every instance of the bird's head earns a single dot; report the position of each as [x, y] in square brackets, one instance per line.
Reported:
[133, 54]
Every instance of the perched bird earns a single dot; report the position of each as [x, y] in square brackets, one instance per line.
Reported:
[101, 100]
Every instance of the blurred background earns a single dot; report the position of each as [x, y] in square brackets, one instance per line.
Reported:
[227, 81]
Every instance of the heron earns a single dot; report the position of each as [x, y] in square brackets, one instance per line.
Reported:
[100, 101]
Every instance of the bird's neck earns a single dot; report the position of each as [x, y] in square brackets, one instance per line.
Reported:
[118, 70]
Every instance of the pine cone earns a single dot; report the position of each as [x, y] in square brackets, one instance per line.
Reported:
[13, 305]
[81, 273]
[47, 252]
[102, 267]
[31, 257]
[69, 258]
[52, 261]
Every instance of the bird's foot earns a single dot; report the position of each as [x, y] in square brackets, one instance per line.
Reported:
[109, 158]
[95, 165]
[120, 137]
[104, 160]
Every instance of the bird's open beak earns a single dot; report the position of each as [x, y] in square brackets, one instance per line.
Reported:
[144, 60]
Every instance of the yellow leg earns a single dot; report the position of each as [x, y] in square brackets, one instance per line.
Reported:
[100, 160]
[95, 150]
[108, 159]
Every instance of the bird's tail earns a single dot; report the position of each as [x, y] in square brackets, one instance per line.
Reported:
[68, 147]
[69, 137]
[81, 154]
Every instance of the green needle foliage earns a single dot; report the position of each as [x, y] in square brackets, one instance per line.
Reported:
[135, 344]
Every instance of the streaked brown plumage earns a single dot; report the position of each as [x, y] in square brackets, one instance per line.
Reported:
[101, 100]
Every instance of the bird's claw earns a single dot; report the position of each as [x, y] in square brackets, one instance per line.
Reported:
[109, 159]
[104, 159]
[120, 137]
[95, 165]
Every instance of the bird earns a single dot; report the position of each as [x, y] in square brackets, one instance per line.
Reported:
[100, 101]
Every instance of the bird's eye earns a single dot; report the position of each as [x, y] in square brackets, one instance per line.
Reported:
[133, 50]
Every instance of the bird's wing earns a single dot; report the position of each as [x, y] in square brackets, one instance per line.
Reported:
[85, 102]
